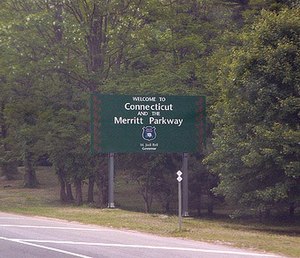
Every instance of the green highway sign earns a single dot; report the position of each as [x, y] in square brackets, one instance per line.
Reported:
[122, 123]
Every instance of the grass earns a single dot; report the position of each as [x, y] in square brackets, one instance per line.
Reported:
[280, 238]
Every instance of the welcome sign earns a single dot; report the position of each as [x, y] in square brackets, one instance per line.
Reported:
[122, 123]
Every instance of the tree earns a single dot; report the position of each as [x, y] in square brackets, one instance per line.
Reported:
[155, 175]
[256, 152]
[8, 156]
[23, 108]
[201, 183]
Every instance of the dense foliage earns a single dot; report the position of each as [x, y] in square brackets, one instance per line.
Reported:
[256, 115]
[244, 55]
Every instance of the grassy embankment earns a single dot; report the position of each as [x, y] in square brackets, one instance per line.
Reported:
[281, 238]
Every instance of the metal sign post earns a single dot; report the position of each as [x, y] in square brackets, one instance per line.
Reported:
[185, 187]
[111, 170]
[179, 179]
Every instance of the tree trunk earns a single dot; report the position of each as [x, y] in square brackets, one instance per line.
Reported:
[58, 29]
[210, 204]
[292, 210]
[210, 208]
[167, 207]
[148, 198]
[267, 213]
[101, 182]
[199, 205]
[90, 198]
[78, 189]
[70, 197]
[62, 194]
[10, 170]
[99, 200]
[30, 179]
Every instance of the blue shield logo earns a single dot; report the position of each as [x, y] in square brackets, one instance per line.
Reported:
[149, 133]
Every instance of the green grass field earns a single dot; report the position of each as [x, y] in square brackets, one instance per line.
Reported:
[275, 237]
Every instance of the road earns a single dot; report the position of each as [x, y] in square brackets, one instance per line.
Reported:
[35, 237]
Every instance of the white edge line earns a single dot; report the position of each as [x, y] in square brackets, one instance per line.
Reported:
[147, 247]
[51, 227]
[121, 245]
[44, 247]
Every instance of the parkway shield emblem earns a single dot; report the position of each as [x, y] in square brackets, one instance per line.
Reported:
[149, 133]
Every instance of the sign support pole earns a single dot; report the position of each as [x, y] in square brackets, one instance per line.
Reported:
[111, 170]
[179, 179]
[179, 206]
[185, 187]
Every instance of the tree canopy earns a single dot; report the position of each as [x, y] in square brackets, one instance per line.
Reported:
[244, 55]
[256, 115]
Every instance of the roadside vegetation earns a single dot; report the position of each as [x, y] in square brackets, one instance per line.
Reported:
[243, 55]
[275, 236]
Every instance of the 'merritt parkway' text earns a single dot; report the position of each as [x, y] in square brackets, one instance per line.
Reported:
[151, 121]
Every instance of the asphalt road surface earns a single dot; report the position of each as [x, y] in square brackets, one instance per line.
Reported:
[35, 237]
